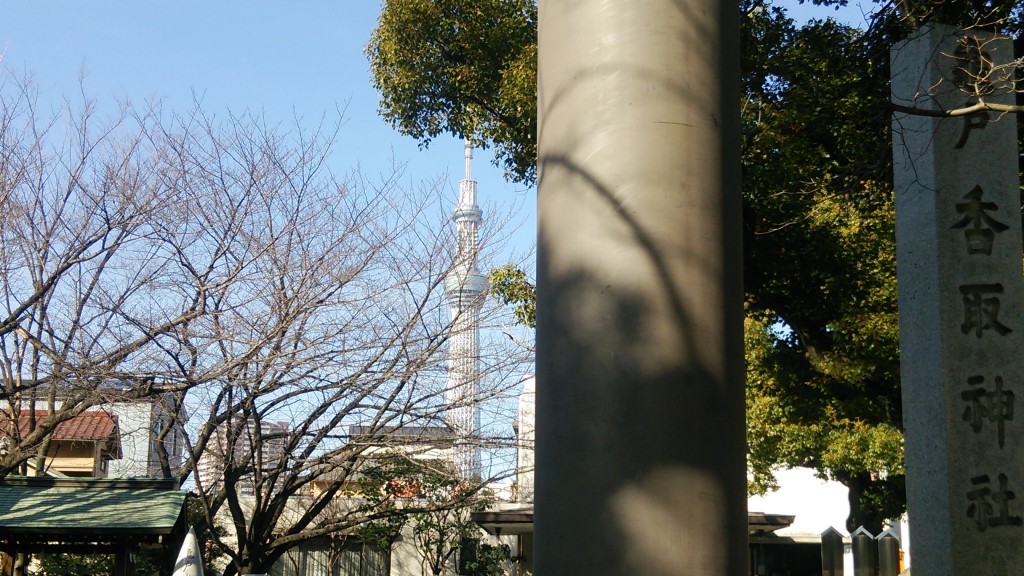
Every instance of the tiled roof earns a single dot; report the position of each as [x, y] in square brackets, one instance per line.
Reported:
[68, 506]
[95, 425]
[87, 426]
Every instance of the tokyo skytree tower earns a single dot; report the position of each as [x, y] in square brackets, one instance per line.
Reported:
[465, 287]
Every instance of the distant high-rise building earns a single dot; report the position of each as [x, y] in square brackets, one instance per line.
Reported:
[465, 287]
[242, 446]
[526, 437]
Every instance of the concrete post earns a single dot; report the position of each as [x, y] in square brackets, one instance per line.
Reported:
[640, 418]
[958, 248]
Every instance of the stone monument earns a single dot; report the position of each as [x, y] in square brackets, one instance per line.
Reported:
[958, 241]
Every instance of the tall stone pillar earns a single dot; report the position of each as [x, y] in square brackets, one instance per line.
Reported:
[640, 415]
[958, 244]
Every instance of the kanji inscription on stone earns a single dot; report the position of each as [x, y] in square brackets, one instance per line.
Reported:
[981, 309]
[992, 405]
[979, 226]
[961, 300]
[990, 505]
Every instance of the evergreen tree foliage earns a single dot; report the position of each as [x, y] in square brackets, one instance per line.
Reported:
[464, 68]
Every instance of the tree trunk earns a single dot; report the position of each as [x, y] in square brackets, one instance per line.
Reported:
[861, 514]
[248, 566]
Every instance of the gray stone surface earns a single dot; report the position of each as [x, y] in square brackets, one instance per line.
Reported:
[958, 232]
[640, 429]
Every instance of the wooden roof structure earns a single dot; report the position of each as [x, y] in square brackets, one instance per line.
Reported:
[520, 521]
[90, 515]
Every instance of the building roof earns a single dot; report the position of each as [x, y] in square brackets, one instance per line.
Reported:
[517, 521]
[520, 521]
[97, 425]
[402, 434]
[80, 508]
[760, 523]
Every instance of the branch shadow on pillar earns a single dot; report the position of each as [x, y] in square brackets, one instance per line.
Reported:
[640, 424]
[667, 458]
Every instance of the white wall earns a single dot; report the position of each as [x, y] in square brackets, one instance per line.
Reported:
[818, 504]
[138, 424]
[134, 423]
[526, 439]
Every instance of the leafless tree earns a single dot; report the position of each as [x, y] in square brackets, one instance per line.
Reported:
[328, 312]
[82, 266]
[985, 84]
[219, 262]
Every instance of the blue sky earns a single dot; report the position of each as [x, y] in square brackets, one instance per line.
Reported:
[284, 59]
[251, 55]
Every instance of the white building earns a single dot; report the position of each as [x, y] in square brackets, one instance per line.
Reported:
[813, 504]
[435, 447]
[147, 429]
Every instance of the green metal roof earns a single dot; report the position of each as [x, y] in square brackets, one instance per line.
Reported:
[69, 506]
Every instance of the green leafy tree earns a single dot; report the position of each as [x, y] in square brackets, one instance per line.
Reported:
[465, 68]
[993, 14]
[60, 564]
[514, 288]
[819, 270]
[822, 347]
[820, 275]
[468, 68]
[489, 560]
[148, 560]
